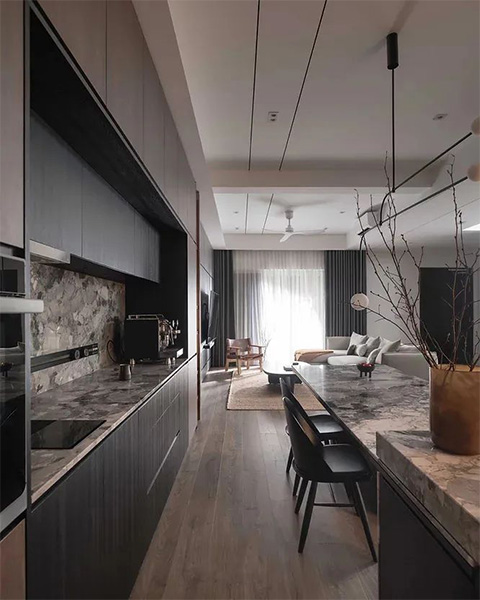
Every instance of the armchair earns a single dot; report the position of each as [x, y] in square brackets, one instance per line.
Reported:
[242, 350]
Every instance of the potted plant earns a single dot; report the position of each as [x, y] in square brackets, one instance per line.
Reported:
[454, 376]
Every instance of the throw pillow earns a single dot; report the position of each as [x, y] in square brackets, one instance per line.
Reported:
[372, 343]
[372, 357]
[389, 346]
[351, 349]
[356, 339]
[361, 349]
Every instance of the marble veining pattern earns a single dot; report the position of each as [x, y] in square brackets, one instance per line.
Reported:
[447, 485]
[79, 309]
[389, 401]
[100, 395]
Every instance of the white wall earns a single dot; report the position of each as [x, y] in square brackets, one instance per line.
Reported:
[433, 257]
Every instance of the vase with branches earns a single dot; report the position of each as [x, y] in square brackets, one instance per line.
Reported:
[454, 375]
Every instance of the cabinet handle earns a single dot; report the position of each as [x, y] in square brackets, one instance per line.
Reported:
[163, 462]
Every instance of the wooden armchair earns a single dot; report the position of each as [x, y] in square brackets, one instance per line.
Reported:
[242, 350]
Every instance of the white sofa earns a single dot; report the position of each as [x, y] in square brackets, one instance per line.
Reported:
[405, 360]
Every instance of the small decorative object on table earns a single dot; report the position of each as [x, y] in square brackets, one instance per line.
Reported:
[366, 369]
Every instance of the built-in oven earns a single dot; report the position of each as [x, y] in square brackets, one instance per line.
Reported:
[13, 392]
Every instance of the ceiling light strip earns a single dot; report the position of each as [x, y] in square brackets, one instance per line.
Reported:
[303, 84]
[246, 215]
[268, 212]
[252, 112]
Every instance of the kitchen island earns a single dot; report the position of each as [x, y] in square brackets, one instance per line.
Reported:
[429, 500]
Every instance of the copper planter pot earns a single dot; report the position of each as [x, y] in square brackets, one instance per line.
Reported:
[455, 409]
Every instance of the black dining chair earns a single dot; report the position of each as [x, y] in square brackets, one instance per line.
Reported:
[328, 429]
[317, 463]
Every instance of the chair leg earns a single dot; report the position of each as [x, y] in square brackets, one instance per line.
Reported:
[307, 516]
[296, 484]
[301, 494]
[290, 460]
[239, 367]
[360, 506]
[351, 496]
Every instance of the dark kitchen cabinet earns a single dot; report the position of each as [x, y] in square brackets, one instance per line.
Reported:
[154, 104]
[87, 538]
[108, 225]
[55, 190]
[147, 250]
[82, 25]
[125, 50]
[11, 124]
[413, 561]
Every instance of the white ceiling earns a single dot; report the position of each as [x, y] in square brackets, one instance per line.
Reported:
[342, 127]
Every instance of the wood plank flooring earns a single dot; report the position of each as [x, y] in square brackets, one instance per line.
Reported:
[229, 530]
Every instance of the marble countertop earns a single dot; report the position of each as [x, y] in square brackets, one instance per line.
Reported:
[100, 395]
[389, 401]
[447, 485]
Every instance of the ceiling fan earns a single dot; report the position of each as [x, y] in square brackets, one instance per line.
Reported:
[289, 230]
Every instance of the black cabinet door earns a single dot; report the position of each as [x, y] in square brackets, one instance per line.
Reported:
[412, 562]
[46, 548]
[108, 225]
[55, 190]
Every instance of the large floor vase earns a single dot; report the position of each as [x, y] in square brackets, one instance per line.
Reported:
[455, 409]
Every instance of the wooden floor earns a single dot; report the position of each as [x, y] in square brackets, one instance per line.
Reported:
[229, 530]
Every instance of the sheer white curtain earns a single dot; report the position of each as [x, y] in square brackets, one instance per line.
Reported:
[280, 300]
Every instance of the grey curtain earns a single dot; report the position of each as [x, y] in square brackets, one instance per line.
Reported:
[223, 285]
[345, 275]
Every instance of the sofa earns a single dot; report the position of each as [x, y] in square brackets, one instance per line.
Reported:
[406, 359]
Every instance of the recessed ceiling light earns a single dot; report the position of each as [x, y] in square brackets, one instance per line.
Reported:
[235, 212]
[440, 116]
[342, 212]
[237, 228]
[473, 228]
[273, 116]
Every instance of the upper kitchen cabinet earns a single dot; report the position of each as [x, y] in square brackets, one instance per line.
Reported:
[125, 56]
[153, 122]
[108, 225]
[11, 124]
[55, 191]
[147, 250]
[170, 188]
[82, 25]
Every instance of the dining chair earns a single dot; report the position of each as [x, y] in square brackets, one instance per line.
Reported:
[328, 429]
[317, 463]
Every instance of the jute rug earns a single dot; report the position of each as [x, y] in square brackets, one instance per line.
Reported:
[251, 391]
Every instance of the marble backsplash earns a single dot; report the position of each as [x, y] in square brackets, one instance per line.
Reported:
[79, 310]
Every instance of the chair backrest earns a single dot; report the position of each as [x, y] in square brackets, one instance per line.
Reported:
[287, 393]
[307, 447]
[242, 343]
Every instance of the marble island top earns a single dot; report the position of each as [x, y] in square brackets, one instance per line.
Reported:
[389, 401]
[100, 395]
[447, 485]
[389, 416]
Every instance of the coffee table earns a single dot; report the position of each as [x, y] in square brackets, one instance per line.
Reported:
[275, 371]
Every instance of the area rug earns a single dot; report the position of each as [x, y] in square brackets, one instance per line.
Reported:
[251, 391]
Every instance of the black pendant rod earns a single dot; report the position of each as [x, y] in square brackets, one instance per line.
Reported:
[392, 64]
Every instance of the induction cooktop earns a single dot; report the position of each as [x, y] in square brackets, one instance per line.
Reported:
[61, 435]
